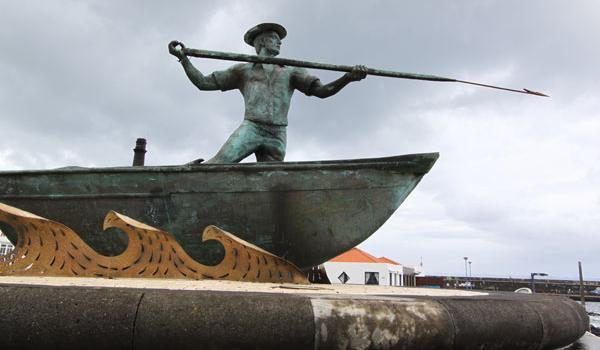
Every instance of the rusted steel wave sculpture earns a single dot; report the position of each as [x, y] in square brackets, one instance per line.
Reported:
[48, 248]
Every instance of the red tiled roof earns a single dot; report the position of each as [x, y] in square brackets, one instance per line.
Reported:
[387, 260]
[359, 256]
[355, 255]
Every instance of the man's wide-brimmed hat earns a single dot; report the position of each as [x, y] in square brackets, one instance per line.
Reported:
[264, 27]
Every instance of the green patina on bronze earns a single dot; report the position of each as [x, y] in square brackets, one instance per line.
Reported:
[305, 212]
[267, 90]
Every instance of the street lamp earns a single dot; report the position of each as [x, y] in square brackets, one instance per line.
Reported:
[466, 274]
[533, 274]
[470, 274]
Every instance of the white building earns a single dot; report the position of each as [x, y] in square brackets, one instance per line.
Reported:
[5, 245]
[358, 267]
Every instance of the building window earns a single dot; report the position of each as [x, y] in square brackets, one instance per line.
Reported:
[343, 277]
[372, 278]
[5, 249]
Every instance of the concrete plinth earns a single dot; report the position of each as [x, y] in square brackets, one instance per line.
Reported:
[79, 313]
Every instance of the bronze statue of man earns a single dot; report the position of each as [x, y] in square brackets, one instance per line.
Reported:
[267, 91]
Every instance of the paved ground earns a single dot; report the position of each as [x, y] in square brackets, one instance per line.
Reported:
[173, 284]
[587, 342]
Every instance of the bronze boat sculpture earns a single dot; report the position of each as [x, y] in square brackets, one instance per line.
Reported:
[305, 212]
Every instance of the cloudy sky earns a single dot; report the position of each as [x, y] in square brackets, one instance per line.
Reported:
[517, 185]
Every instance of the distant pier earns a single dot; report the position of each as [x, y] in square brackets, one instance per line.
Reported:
[594, 298]
[568, 288]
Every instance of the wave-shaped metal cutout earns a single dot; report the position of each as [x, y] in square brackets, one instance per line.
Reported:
[49, 248]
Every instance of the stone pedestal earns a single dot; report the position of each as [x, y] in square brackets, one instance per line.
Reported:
[92, 313]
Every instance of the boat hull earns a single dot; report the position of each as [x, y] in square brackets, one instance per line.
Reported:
[305, 212]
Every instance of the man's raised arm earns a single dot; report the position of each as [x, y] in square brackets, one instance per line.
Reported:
[323, 91]
[195, 76]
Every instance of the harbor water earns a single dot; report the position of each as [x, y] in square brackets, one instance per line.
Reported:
[593, 309]
[589, 341]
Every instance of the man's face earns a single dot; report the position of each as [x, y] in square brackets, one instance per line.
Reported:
[272, 43]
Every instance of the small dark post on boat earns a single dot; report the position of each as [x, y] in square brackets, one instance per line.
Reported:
[139, 152]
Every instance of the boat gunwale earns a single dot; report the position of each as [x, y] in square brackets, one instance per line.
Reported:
[419, 163]
[176, 193]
